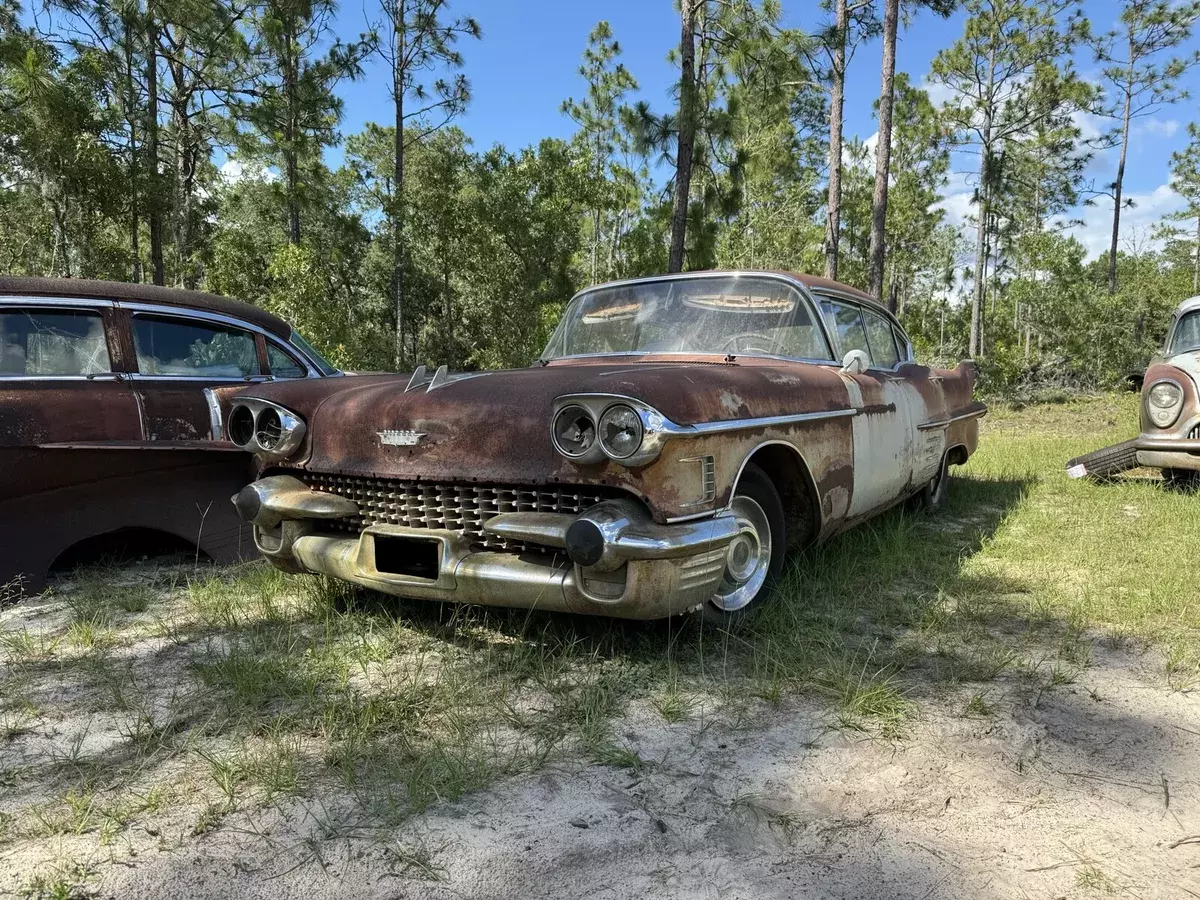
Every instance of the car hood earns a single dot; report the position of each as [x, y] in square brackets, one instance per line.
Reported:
[495, 426]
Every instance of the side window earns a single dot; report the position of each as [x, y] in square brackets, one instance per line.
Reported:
[190, 347]
[902, 345]
[282, 365]
[52, 342]
[847, 322]
[883, 342]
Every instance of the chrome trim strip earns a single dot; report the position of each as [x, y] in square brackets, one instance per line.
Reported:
[945, 423]
[25, 300]
[768, 421]
[214, 414]
[99, 376]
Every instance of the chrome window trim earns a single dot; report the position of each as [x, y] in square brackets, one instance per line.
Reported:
[177, 312]
[678, 276]
[688, 362]
[857, 302]
[20, 301]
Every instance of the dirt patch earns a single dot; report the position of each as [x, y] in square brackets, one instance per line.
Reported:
[1081, 790]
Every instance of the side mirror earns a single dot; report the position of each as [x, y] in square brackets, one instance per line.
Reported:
[855, 362]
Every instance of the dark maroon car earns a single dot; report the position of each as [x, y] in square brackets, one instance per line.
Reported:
[111, 419]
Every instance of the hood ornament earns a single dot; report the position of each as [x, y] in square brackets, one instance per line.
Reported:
[400, 438]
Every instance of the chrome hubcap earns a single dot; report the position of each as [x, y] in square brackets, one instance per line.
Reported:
[748, 557]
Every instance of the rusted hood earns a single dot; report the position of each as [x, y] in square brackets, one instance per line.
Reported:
[495, 425]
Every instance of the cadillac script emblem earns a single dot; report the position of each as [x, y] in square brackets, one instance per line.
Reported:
[395, 438]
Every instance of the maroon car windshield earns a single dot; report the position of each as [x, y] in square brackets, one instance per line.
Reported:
[741, 315]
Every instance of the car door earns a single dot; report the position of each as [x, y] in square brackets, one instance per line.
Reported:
[184, 362]
[883, 429]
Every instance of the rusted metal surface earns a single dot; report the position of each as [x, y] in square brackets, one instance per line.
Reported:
[859, 443]
[84, 456]
[1177, 445]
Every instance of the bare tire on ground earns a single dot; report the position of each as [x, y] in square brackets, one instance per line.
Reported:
[1104, 463]
[754, 560]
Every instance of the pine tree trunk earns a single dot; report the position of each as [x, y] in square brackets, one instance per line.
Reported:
[687, 134]
[154, 200]
[131, 116]
[883, 149]
[291, 163]
[398, 25]
[1196, 264]
[837, 100]
[1117, 187]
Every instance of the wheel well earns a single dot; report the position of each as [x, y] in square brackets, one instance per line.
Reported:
[124, 545]
[957, 455]
[790, 475]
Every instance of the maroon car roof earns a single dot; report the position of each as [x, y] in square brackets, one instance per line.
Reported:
[143, 293]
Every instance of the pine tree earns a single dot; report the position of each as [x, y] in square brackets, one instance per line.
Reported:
[1141, 79]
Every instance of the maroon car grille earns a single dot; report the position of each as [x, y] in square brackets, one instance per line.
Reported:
[455, 507]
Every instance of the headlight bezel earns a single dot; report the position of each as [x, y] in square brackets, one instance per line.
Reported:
[583, 412]
[1164, 416]
[656, 428]
[288, 427]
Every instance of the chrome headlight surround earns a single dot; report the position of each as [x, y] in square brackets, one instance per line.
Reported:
[655, 427]
[1164, 402]
[266, 428]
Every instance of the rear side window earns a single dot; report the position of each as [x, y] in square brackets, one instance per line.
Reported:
[847, 322]
[282, 365]
[52, 342]
[883, 344]
[188, 347]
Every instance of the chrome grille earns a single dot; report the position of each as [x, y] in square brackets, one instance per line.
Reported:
[456, 507]
[1194, 433]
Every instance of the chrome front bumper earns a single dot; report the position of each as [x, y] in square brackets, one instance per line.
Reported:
[611, 560]
[1156, 452]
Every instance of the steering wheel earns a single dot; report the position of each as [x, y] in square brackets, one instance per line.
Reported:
[768, 344]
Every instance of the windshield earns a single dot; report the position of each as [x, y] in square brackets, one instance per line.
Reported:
[309, 352]
[743, 315]
[1186, 335]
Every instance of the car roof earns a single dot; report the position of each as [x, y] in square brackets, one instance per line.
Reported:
[1191, 304]
[17, 286]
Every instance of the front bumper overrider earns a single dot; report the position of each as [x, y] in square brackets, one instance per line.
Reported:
[611, 559]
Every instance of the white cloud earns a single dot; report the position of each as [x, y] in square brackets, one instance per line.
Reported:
[1137, 222]
[1159, 127]
[1090, 126]
[233, 171]
[939, 94]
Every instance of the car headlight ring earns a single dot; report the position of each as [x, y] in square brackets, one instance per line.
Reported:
[574, 431]
[1164, 402]
[621, 431]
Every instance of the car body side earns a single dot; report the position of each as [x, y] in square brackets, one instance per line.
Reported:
[113, 451]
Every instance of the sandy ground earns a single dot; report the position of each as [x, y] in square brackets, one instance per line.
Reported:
[1089, 789]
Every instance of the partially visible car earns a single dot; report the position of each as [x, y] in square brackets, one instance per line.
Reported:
[112, 402]
[677, 434]
[1170, 405]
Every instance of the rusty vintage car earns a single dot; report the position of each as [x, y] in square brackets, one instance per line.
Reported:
[676, 436]
[1170, 408]
[111, 432]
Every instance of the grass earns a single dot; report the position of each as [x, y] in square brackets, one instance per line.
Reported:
[248, 688]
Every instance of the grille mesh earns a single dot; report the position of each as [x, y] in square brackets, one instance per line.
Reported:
[1194, 433]
[456, 507]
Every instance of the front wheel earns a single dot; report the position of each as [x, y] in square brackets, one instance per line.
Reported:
[754, 559]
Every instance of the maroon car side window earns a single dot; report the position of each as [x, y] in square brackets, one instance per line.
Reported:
[171, 346]
[44, 342]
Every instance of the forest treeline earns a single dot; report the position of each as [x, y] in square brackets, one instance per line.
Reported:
[189, 143]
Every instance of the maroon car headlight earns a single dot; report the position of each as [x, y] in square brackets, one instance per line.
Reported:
[260, 426]
[621, 431]
[593, 428]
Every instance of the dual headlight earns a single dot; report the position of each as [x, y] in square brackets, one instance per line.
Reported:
[264, 427]
[592, 428]
[1164, 402]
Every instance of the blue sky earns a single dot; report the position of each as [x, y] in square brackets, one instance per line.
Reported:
[526, 64]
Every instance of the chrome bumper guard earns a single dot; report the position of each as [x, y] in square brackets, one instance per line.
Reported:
[612, 559]
[1156, 452]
